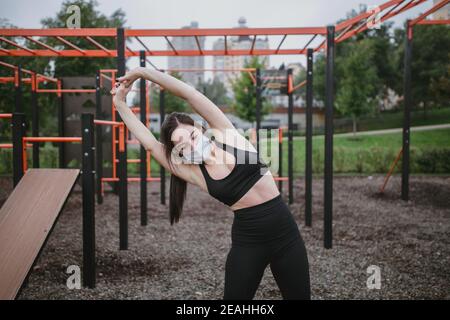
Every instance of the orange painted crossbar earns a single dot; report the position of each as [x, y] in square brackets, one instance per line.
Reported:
[107, 123]
[43, 139]
[121, 126]
[5, 115]
[281, 178]
[66, 90]
[218, 70]
[131, 179]
[10, 145]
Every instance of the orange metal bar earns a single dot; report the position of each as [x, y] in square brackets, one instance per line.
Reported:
[131, 179]
[220, 32]
[160, 53]
[70, 44]
[5, 115]
[98, 45]
[107, 123]
[51, 139]
[298, 86]
[290, 84]
[42, 139]
[42, 44]
[436, 7]
[122, 138]
[391, 170]
[16, 45]
[60, 32]
[280, 135]
[10, 145]
[281, 178]
[65, 90]
[434, 22]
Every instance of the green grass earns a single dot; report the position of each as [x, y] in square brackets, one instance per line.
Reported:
[365, 154]
[389, 120]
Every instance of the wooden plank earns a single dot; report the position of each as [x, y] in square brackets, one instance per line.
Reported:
[26, 219]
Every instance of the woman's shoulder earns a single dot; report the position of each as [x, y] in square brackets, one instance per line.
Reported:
[232, 138]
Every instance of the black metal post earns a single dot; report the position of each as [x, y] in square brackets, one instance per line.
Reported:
[290, 142]
[328, 170]
[143, 152]
[308, 138]
[162, 115]
[407, 112]
[99, 139]
[35, 120]
[18, 92]
[88, 180]
[258, 106]
[122, 155]
[280, 157]
[18, 132]
[61, 131]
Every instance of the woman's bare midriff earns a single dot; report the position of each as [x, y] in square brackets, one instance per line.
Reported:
[263, 190]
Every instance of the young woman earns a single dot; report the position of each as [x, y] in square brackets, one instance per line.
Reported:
[264, 231]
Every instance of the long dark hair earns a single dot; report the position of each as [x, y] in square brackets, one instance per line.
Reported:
[177, 185]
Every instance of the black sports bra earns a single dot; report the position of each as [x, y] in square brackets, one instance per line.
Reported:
[241, 179]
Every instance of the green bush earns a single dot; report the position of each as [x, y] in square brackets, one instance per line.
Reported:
[434, 160]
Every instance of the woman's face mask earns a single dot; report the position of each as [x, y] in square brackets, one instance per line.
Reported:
[200, 153]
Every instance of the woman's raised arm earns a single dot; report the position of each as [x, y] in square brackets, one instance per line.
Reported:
[145, 136]
[199, 102]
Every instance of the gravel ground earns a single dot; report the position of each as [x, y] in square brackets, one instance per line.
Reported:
[409, 241]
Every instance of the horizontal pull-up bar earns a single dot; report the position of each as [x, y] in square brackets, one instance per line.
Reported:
[10, 145]
[42, 139]
[204, 70]
[108, 123]
[66, 90]
[51, 139]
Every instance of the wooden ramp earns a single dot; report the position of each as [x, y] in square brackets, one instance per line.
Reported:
[26, 219]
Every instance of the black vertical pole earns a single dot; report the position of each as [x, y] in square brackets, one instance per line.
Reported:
[308, 140]
[328, 171]
[35, 120]
[162, 170]
[18, 132]
[143, 152]
[280, 157]
[122, 165]
[258, 106]
[99, 139]
[290, 142]
[61, 133]
[88, 180]
[18, 92]
[407, 112]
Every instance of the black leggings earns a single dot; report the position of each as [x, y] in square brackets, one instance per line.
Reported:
[266, 234]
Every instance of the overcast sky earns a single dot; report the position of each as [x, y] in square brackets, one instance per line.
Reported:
[209, 14]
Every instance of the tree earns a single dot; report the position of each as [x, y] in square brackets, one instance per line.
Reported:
[357, 89]
[58, 67]
[429, 66]
[90, 18]
[171, 102]
[215, 91]
[244, 90]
